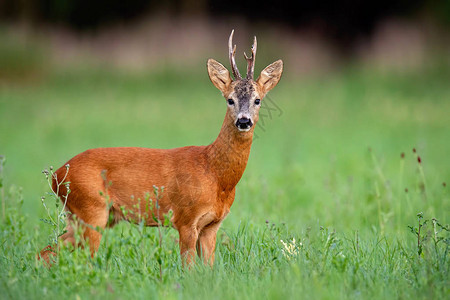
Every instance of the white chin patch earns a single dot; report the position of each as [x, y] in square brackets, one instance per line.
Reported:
[244, 130]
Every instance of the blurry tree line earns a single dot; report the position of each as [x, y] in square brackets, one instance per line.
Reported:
[342, 19]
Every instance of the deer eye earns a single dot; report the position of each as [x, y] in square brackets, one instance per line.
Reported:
[230, 102]
[258, 101]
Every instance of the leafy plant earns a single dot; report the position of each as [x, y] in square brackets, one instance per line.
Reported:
[57, 215]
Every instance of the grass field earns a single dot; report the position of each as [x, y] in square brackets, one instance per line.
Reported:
[326, 169]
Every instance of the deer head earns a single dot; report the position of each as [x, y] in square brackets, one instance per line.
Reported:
[244, 95]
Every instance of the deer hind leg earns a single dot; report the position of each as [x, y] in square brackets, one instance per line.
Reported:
[89, 223]
[50, 251]
[69, 236]
[206, 243]
[93, 221]
[47, 254]
[188, 240]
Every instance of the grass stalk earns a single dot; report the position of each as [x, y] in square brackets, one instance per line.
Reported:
[399, 215]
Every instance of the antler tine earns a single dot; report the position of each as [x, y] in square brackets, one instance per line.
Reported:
[232, 55]
[251, 60]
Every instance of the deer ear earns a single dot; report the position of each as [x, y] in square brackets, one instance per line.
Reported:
[270, 76]
[219, 75]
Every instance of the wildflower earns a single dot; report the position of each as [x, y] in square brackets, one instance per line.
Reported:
[291, 249]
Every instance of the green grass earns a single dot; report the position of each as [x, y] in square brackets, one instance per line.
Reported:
[311, 176]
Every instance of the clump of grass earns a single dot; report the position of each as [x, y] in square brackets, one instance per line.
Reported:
[429, 265]
[291, 248]
[13, 220]
[161, 253]
[57, 215]
[439, 235]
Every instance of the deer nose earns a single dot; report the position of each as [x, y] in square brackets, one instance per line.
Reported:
[244, 123]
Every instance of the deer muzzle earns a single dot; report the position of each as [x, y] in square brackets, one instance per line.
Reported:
[244, 124]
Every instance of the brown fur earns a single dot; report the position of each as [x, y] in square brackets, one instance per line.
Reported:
[199, 182]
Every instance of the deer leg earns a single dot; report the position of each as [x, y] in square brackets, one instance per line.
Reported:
[94, 222]
[67, 237]
[188, 239]
[90, 234]
[206, 243]
[46, 254]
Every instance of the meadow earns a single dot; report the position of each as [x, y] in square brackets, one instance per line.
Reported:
[334, 203]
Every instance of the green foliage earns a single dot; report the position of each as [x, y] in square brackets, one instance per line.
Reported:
[56, 217]
[316, 214]
[252, 261]
[12, 218]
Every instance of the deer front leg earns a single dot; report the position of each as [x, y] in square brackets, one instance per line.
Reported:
[206, 243]
[188, 239]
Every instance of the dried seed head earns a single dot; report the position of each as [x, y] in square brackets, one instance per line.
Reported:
[406, 190]
[414, 150]
[402, 155]
[419, 160]
[444, 184]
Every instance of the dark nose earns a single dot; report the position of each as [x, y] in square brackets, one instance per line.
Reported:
[244, 123]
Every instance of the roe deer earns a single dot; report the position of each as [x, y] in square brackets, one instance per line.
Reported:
[199, 181]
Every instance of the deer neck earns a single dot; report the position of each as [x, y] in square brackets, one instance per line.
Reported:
[228, 154]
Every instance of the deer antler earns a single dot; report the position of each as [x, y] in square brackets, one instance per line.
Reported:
[232, 54]
[251, 60]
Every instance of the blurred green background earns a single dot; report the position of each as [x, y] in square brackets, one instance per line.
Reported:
[355, 79]
[332, 182]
